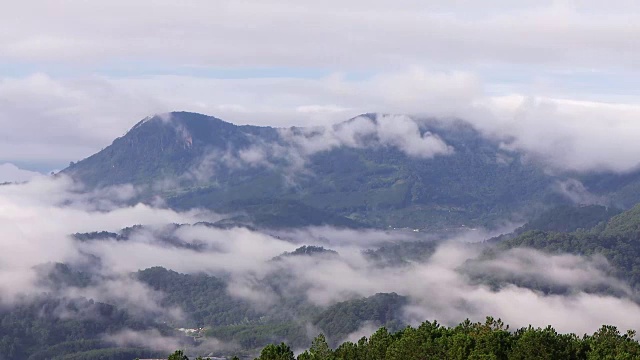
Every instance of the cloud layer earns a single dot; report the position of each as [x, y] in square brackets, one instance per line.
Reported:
[36, 227]
[550, 75]
[11, 173]
[230, 33]
[77, 118]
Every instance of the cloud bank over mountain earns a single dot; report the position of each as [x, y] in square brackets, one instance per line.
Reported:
[558, 93]
[39, 217]
[567, 134]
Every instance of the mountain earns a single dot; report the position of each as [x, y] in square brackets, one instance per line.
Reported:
[36, 329]
[372, 170]
[344, 318]
[563, 219]
[617, 239]
[163, 147]
[445, 175]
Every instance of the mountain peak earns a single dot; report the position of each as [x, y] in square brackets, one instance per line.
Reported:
[188, 127]
[215, 164]
[163, 146]
[184, 118]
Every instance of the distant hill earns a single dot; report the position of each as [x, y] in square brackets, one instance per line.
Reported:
[567, 218]
[276, 178]
[617, 239]
[36, 330]
[344, 318]
[163, 147]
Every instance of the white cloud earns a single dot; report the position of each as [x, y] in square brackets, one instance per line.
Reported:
[11, 173]
[404, 133]
[517, 64]
[355, 35]
[56, 120]
[397, 131]
[76, 117]
[37, 218]
[153, 339]
[36, 221]
[580, 135]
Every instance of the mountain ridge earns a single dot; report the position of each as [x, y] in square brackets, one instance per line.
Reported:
[377, 170]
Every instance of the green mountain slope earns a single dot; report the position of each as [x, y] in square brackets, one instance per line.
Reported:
[194, 160]
[617, 239]
[344, 318]
[162, 147]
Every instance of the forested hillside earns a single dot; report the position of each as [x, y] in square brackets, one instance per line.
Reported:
[300, 176]
[617, 239]
[43, 327]
[49, 327]
[489, 340]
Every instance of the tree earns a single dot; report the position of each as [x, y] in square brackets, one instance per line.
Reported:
[178, 355]
[378, 344]
[276, 352]
[544, 344]
[320, 349]
[347, 350]
[490, 340]
[608, 344]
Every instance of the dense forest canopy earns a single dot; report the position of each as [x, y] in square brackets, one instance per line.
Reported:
[489, 340]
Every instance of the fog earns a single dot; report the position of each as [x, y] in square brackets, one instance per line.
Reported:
[37, 219]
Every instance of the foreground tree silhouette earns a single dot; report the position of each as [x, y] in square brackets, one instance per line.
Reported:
[319, 350]
[276, 352]
[607, 343]
[489, 340]
[178, 355]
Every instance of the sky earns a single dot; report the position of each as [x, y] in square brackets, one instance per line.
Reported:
[76, 74]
